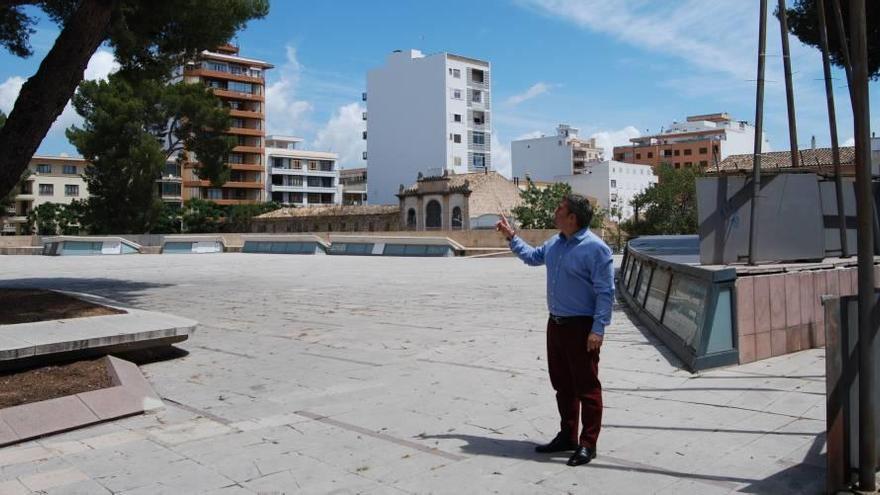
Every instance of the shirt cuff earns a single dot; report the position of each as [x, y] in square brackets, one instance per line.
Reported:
[598, 329]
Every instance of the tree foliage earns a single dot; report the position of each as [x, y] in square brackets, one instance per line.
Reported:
[201, 216]
[538, 206]
[668, 206]
[803, 22]
[57, 218]
[130, 130]
[149, 38]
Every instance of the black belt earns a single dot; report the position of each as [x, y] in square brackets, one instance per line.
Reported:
[567, 320]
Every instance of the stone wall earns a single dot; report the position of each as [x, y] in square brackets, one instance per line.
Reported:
[782, 313]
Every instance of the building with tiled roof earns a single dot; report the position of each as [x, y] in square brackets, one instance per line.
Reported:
[329, 218]
[457, 201]
[817, 160]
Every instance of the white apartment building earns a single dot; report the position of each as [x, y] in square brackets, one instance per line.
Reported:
[546, 157]
[701, 141]
[425, 114]
[612, 183]
[53, 179]
[299, 177]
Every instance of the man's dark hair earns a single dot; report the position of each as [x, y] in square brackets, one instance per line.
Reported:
[581, 208]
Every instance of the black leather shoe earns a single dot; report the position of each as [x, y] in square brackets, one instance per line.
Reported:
[559, 444]
[582, 455]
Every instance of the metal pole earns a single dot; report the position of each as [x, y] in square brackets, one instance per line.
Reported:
[759, 131]
[865, 210]
[789, 88]
[832, 124]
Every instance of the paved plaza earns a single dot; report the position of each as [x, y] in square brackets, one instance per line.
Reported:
[335, 374]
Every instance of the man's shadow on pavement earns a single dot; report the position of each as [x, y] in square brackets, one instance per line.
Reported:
[501, 447]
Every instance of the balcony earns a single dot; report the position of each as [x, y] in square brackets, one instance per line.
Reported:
[227, 185]
[246, 131]
[229, 202]
[248, 114]
[364, 155]
[303, 172]
[364, 116]
[363, 96]
[252, 167]
[248, 149]
[225, 93]
[217, 74]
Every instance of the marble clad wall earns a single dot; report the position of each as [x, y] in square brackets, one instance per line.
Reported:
[782, 313]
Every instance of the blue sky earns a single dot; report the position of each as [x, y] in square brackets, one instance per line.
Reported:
[614, 68]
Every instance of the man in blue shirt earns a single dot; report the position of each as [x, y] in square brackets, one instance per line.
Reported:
[580, 293]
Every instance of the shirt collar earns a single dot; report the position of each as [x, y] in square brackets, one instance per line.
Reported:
[579, 235]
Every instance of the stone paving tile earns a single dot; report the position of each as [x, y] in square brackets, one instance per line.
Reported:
[311, 375]
[13, 487]
[52, 479]
[85, 487]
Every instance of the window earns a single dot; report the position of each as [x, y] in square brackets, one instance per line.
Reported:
[71, 190]
[687, 152]
[215, 194]
[677, 152]
[456, 117]
[456, 218]
[479, 138]
[411, 219]
[70, 169]
[47, 190]
[477, 76]
[650, 154]
[296, 164]
[613, 183]
[479, 160]
[704, 163]
[240, 87]
[677, 165]
[456, 161]
[477, 96]
[667, 152]
[688, 164]
[313, 165]
[638, 156]
[44, 168]
[479, 118]
[703, 151]
[456, 73]
[433, 215]
[456, 138]
[456, 94]
[217, 66]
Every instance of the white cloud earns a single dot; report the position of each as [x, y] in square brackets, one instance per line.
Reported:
[535, 90]
[849, 142]
[501, 162]
[9, 92]
[681, 30]
[343, 135]
[285, 114]
[609, 139]
[101, 65]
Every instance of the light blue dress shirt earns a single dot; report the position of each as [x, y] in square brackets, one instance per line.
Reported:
[580, 275]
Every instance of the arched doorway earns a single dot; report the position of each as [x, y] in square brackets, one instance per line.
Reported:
[411, 219]
[433, 215]
[456, 218]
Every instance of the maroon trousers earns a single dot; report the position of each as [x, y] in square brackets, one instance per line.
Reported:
[574, 374]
